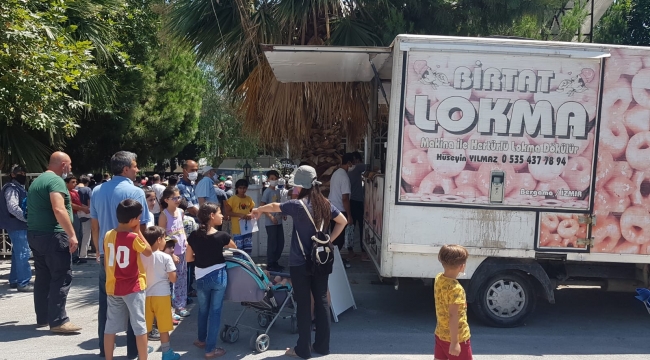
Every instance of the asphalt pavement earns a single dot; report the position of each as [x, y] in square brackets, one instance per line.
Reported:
[388, 324]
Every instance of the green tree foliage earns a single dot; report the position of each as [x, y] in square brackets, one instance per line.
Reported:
[613, 26]
[221, 132]
[42, 64]
[625, 23]
[159, 92]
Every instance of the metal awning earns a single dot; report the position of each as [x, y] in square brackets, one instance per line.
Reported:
[328, 63]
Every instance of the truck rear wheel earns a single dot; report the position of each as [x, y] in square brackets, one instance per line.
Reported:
[505, 300]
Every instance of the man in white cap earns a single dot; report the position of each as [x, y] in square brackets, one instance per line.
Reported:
[206, 191]
[228, 185]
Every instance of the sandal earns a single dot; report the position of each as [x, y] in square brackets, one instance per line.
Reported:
[218, 352]
[291, 352]
[199, 344]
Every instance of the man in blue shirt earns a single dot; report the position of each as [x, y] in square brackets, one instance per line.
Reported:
[206, 191]
[186, 186]
[103, 205]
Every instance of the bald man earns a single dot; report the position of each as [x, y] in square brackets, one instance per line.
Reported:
[52, 238]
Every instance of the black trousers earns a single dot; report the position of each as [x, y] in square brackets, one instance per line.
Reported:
[340, 240]
[356, 208]
[52, 264]
[305, 285]
[275, 243]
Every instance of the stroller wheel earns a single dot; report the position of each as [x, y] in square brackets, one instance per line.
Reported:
[294, 325]
[223, 332]
[263, 320]
[230, 334]
[260, 343]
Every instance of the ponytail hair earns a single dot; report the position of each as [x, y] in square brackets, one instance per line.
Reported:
[320, 206]
[205, 211]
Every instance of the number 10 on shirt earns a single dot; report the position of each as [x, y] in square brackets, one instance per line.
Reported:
[123, 260]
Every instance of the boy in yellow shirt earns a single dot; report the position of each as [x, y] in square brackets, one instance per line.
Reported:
[452, 330]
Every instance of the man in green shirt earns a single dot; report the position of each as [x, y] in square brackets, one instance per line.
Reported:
[52, 238]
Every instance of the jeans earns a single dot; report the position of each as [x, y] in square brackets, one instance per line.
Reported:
[210, 290]
[131, 346]
[304, 285]
[275, 245]
[190, 276]
[21, 271]
[52, 264]
[356, 208]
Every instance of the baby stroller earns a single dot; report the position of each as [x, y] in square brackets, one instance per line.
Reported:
[250, 286]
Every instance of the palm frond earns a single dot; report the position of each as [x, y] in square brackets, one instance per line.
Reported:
[21, 146]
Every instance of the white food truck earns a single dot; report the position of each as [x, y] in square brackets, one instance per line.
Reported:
[533, 155]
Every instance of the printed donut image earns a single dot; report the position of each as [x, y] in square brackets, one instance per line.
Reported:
[626, 247]
[620, 187]
[641, 194]
[637, 120]
[614, 138]
[545, 173]
[435, 183]
[466, 178]
[603, 203]
[547, 239]
[624, 169]
[550, 222]
[447, 162]
[638, 151]
[415, 166]
[604, 168]
[567, 228]
[617, 98]
[606, 234]
[577, 173]
[526, 181]
[640, 83]
[635, 225]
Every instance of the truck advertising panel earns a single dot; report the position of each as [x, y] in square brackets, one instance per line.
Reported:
[622, 196]
[510, 130]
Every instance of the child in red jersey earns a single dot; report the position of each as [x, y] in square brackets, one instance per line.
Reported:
[125, 278]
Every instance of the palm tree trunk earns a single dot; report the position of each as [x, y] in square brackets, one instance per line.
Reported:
[315, 20]
[327, 22]
[304, 29]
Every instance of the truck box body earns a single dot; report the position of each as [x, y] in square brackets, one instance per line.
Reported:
[564, 126]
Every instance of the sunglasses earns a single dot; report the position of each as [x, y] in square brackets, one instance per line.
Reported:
[176, 198]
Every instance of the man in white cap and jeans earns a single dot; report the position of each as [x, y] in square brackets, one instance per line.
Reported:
[206, 191]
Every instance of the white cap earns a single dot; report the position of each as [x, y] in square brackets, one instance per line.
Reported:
[206, 168]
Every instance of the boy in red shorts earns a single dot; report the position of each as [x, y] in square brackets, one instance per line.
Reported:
[452, 330]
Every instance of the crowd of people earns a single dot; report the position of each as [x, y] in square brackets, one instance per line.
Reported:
[159, 243]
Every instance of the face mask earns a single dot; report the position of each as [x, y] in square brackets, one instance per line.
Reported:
[273, 182]
[64, 175]
[192, 176]
[215, 177]
[351, 168]
[22, 179]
